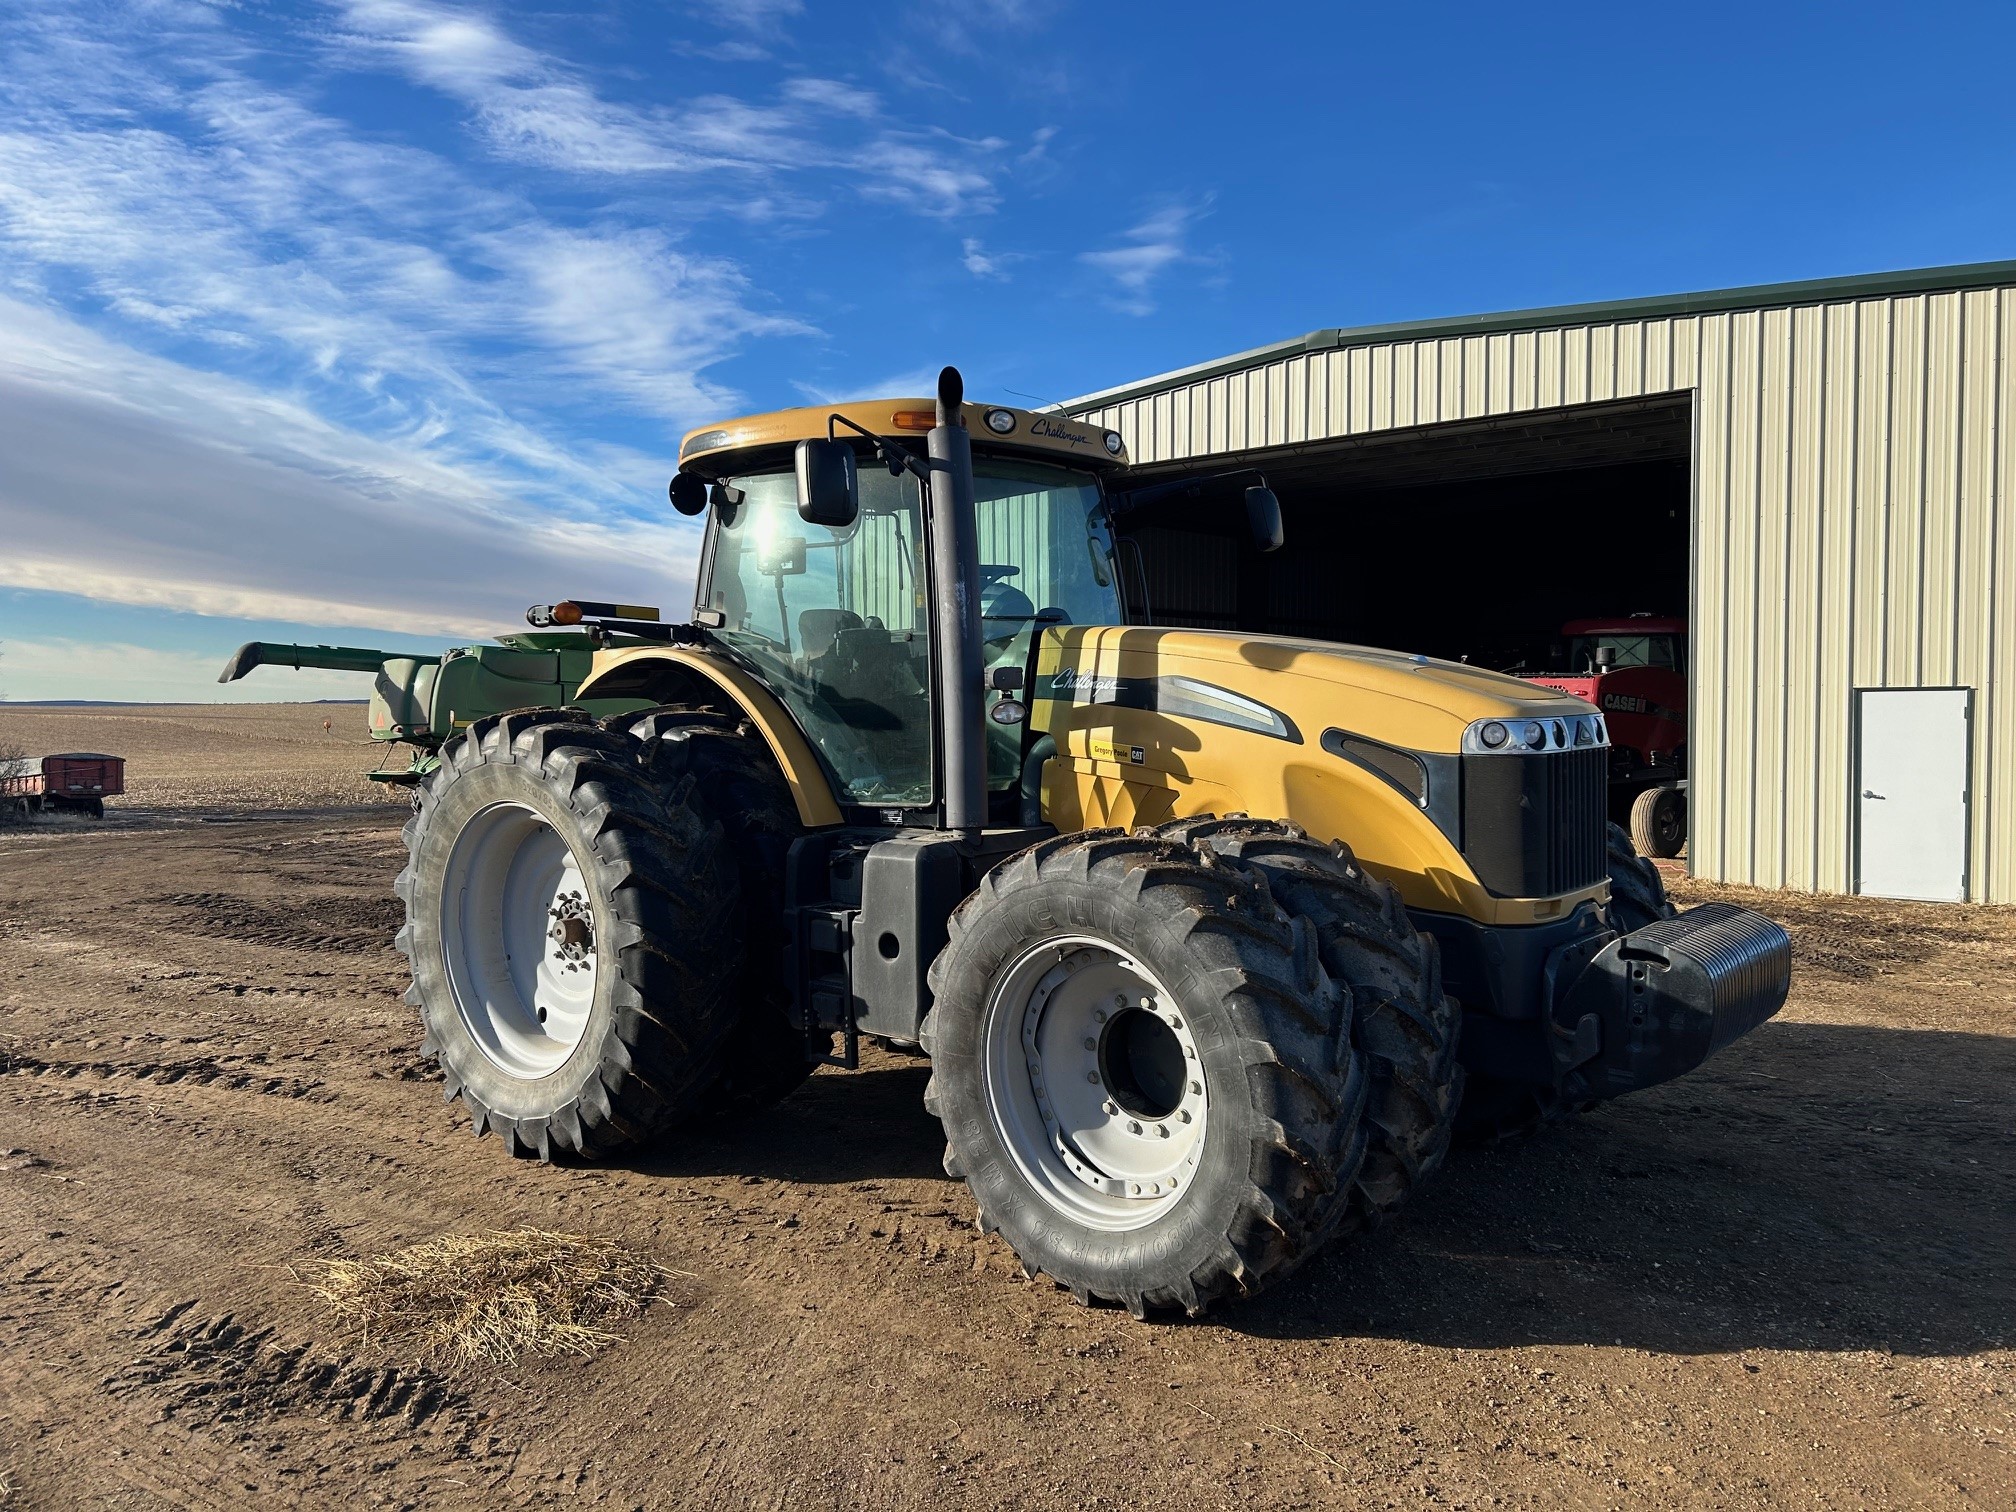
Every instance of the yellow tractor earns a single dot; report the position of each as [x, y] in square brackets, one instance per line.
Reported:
[910, 773]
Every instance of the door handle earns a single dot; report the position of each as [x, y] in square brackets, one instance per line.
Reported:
[1867, 794]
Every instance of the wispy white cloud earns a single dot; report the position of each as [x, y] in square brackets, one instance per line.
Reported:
[532, 107]
[749, 15]
[977, 260]
[1147, 250]
[974, 26]
[237, 217]
[207, 494]
[633, 312]
[910, 383]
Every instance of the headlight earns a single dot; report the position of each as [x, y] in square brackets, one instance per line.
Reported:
[1113, 443]
[1495, 737]
[1000, 421]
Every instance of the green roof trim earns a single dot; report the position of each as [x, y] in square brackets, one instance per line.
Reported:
[1711, 302]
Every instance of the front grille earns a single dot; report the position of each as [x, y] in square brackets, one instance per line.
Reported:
[1534, 824]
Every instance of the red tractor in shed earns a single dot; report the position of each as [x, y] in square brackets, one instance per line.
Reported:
[1634, 669]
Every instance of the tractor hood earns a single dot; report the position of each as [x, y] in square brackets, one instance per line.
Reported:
[1415, 702]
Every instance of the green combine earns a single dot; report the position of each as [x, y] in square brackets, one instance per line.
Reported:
[421, 702]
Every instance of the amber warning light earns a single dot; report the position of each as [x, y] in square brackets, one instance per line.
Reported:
[574, 611]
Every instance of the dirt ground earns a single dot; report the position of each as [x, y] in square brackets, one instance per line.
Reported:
[1788, 1280]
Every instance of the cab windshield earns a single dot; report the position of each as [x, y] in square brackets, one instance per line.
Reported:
[838, 622]
[1584, 652]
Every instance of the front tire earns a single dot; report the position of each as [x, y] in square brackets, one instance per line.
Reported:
[571, 925]
[1637, 891]
[1147, 1080]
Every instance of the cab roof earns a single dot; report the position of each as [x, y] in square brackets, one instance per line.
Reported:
[716, 449]
[1627, 624]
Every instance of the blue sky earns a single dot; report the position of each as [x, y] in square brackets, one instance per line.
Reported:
[377, 320]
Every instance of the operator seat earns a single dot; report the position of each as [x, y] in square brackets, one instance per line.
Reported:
[818, 627]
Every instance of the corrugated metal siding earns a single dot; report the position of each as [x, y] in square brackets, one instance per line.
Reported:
[1855, 526]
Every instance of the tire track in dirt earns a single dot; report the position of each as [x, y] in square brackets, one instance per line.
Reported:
[200, 1071]
[339, 924]
[214, 1410]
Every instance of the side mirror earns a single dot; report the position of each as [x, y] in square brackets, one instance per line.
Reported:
[688, 492]
[1263, 518]
[829, 494]
[1606, 658]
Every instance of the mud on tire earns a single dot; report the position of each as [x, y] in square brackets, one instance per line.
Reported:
[1402, 1022]
[1283, 1090]
[651, 959]
[765, 1056]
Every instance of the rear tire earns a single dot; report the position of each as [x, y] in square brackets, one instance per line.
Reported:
[1402, 1022]
[571, 924]
[1659, 821]
[1146, 1078]
[766, 1056]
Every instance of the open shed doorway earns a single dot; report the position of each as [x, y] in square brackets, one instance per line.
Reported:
[1473, 541]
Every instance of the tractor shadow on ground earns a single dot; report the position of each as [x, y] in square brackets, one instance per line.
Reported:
[840, 1127]
[1816, 1186]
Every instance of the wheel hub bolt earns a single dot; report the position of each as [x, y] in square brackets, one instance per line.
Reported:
[1091, 1043]
[1109, 1107]
[1119, 1000]
[1162, 1130]
[1093, 1077]
[1183, 1115]
[1133, 1128]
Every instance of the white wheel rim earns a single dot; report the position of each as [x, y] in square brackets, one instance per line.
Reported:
[1093, 1082]
[518, 932]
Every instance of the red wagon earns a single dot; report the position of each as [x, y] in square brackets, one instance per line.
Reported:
[76, 781]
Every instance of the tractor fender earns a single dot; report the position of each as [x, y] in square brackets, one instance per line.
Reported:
[678, 674]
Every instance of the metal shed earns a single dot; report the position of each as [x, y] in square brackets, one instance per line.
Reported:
[1843, 458]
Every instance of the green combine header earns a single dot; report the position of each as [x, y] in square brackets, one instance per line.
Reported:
[421, 701]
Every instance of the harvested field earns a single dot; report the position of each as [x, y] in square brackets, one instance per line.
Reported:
[211, 757]
[1786, 1281]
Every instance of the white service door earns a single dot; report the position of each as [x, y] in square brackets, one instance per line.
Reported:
[1911, 803]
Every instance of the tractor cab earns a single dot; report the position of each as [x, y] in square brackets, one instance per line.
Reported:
[838, 619]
